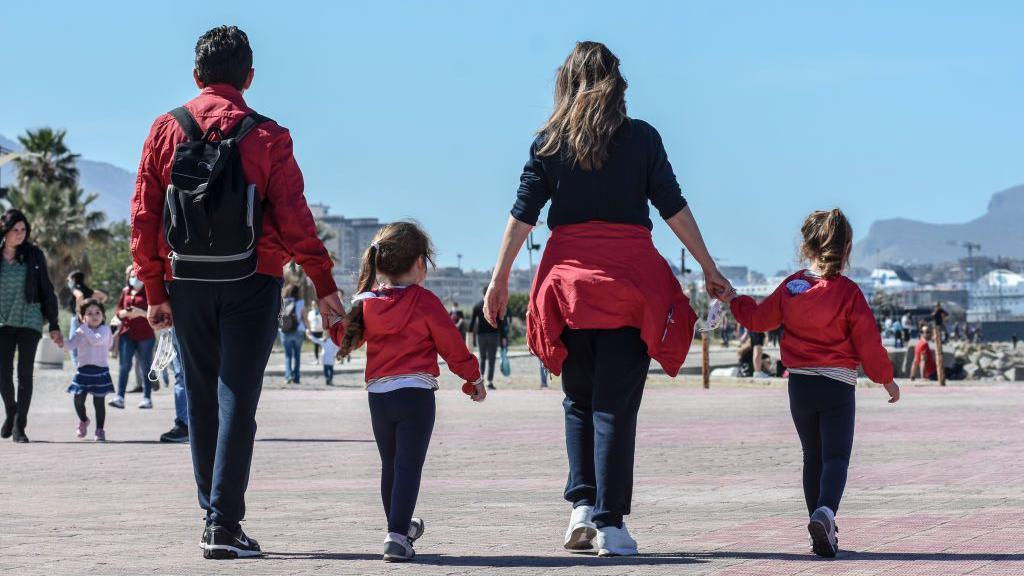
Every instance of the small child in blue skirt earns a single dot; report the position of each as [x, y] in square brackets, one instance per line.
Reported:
[92, 340]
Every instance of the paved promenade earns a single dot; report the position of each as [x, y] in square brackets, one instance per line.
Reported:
[936, 487]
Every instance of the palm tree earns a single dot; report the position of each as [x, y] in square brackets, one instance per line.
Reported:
[51, 161]
[62, 223]
[293, 273]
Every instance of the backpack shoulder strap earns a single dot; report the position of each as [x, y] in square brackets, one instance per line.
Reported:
[246, 125]
[187, 123]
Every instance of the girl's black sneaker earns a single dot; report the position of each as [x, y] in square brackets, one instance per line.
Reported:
[222, 544]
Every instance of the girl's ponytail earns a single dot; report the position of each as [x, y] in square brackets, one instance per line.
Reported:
[828, 237]
[354, 325]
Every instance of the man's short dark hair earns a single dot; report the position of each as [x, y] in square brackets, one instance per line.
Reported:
[223, 56]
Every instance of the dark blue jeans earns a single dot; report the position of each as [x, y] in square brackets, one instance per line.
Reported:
[823, 411]
[292, 344]
[603, 379]
[403, 420]
[141, 352]
[180, 394]
[225, 333]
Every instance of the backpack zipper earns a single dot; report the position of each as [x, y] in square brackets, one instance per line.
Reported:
[195, 258]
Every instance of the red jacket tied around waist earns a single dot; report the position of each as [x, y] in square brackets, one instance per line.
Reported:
[599, 275]
[405, 330]
[827, 324]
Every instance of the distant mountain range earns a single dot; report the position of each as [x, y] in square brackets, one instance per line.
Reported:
[1000, 231]
[113, 183]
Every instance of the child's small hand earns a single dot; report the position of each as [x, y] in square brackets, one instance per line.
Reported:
[894, 392]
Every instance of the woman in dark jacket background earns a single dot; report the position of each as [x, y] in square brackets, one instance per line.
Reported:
[27, 300]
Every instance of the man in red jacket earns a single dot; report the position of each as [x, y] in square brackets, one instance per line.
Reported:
[226, 330]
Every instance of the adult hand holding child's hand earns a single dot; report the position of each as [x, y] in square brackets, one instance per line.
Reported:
[330, 307]
[894, 392]
[476, 392]
[159, 316]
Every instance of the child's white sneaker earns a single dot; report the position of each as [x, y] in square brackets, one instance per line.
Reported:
[397, 548]
[822, 528]
[581, 529]
[416, 528]
[146, 404]
[612, 541]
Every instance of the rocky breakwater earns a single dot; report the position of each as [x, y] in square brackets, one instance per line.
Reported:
[990, 361]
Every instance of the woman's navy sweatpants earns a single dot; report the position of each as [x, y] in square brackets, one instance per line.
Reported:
[823, 411]
[603, 379]
[402, 420]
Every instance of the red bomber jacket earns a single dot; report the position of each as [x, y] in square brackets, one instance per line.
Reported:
[599, 275]
[267, 160]
[406, 328]
[827, 324]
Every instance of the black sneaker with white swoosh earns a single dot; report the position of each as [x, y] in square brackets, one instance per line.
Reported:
[223, 544]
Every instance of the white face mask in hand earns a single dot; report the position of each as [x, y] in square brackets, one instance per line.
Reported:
[162, 356]
[715, 316]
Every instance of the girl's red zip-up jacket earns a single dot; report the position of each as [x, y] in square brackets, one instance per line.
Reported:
[267, 160]
[405, 330]
[599, 275]
[827, 324]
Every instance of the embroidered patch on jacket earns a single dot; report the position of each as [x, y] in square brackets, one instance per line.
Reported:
[798, 286]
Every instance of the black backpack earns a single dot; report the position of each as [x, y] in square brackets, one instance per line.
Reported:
[212, 216]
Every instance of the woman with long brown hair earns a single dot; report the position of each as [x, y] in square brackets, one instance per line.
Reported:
[604, 302]
[27, 302]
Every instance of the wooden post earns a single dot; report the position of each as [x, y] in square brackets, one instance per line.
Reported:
[939, 365]
[705, 363]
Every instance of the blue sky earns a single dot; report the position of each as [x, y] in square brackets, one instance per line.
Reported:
[427, 109]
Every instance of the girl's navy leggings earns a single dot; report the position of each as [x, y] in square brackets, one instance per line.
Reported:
[823, 411]
[403, 420]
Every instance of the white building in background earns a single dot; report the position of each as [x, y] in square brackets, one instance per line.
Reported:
[452, 284]
[892, 280]
[998, 295]
[758, 290]
[351, 237]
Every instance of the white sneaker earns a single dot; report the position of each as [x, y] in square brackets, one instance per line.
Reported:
[822, 529]
[416, 528]
[117, 402]
[397, 548]
[146, 404]
[611, 541]
[581, 529]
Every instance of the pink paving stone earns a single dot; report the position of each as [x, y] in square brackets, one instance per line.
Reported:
[935, 487]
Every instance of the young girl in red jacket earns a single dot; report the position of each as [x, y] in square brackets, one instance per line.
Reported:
[829, 331]
[404, 326]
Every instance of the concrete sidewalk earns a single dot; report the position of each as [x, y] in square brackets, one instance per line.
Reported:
[936, 487]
